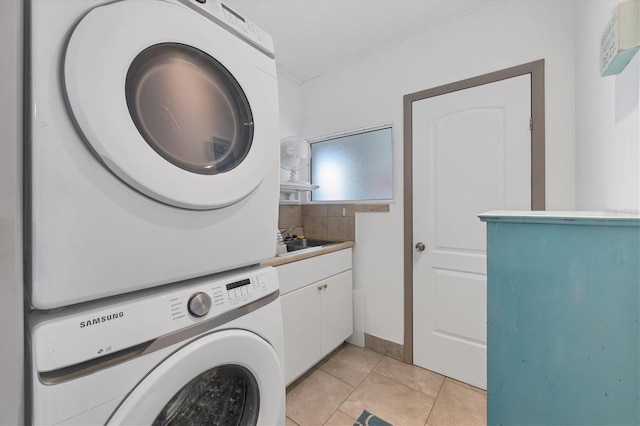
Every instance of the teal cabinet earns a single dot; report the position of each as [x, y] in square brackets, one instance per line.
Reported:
[563, 296]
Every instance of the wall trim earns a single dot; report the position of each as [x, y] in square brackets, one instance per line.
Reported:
[385, 347]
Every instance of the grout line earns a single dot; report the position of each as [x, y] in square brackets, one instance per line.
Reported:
[340, 380]
[291, 420]
[466, 385]
[345, 398]
[435, 401]
[326, 359]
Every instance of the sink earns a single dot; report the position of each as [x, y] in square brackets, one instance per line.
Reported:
[307, 244]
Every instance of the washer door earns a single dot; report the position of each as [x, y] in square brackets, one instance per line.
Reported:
[231, 377]
[170, 102]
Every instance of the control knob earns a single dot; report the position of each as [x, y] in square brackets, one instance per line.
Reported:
[199, 304]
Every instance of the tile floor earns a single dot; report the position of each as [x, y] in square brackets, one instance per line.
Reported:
[353, 379]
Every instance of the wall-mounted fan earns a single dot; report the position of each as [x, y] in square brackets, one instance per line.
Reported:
[294, 155]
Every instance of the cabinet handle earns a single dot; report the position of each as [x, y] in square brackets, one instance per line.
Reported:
[324, 285]
[320, 287]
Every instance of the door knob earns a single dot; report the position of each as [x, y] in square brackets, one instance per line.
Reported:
[420, 246]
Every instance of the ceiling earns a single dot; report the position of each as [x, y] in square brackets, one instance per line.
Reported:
[313, 36]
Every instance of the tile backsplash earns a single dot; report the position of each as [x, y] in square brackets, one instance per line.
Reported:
[321, 221]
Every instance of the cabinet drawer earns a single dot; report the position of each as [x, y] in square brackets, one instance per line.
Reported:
[298, 274]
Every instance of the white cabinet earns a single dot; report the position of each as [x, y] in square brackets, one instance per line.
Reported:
[317, 308]
[336, 311]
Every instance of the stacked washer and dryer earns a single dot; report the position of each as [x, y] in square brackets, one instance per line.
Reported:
[151, 197]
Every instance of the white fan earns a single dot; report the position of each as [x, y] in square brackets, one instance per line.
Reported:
[294, 155]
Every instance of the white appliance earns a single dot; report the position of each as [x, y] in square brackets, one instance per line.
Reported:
[153, 145]
[182, 354]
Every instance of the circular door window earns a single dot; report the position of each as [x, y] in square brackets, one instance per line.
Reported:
[189, 108]
[224, 395]
[228, 377]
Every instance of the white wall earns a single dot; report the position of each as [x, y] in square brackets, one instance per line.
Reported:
[290, 94]
[11, 305]
[369, 91]
[607, 120]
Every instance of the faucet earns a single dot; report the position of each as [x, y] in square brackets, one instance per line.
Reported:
[286, 230]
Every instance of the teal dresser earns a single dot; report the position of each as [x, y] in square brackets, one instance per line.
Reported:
[563, 334]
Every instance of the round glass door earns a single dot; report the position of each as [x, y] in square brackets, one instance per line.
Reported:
[224, 395]
[229, 377]
[189, 108]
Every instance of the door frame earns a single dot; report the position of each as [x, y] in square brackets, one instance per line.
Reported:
[536, 69]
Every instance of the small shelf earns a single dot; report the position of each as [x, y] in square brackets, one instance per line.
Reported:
[290, 192]
[297, 186]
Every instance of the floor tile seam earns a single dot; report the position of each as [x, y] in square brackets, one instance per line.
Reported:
[435, 401]
[336, 377]
[301, 379]
[290, 419]
[353, 388]
[342, 402]
[470, 387]
[342, 381]
[410, 387]
[359, 383]
[376, 366]
[354, 420]
[401, 384]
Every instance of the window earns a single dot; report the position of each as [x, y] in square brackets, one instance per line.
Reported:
[353, 166]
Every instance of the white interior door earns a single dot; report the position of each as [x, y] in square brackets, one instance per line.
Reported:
[471, 154]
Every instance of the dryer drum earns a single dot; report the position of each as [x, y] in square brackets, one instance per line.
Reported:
[189, 108]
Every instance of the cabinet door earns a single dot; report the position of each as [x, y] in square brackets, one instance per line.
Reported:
[337, 310]
[301, 315]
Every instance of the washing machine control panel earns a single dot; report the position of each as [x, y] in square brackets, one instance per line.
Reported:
[234, 22]
[79, 334]
[216, 297]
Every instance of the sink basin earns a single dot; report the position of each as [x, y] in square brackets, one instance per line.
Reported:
[306, 244]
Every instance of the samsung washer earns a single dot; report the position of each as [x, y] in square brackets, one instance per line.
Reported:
[207, 351]
[152, 152]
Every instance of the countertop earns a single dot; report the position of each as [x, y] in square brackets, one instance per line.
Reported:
[305, 254]
[563, 217]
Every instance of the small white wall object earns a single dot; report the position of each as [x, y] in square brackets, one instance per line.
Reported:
[621, 38]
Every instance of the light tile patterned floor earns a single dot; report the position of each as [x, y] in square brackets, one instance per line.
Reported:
[354, 379]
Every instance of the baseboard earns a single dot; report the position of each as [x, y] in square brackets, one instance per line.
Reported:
[385, 347]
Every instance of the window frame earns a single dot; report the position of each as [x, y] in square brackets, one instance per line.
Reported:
[357, 131]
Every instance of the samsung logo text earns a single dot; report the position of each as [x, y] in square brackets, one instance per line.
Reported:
[99, 320]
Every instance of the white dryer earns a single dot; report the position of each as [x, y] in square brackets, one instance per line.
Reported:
[152, 152]
[207, 351]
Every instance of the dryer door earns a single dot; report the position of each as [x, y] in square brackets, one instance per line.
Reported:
[231, 377]
[171, 102]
